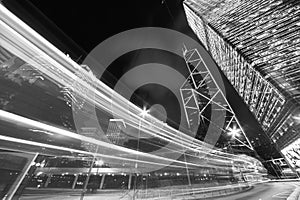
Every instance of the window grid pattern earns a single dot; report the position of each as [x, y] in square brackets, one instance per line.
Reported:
[263, 99]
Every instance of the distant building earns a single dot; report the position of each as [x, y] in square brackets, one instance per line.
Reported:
[257, 46]
[114, 131]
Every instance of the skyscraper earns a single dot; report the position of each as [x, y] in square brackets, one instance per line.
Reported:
[256, 44]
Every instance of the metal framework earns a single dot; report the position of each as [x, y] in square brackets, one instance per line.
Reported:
[200, 92]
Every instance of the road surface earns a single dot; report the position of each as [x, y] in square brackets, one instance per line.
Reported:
[262, 191]
[265, 191]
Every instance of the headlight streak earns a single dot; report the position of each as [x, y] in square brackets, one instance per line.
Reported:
[30, 46]
[101, 85]
[22, 141]
[101, 96]
[31, 124]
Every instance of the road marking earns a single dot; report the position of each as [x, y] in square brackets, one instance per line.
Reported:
[282, 194]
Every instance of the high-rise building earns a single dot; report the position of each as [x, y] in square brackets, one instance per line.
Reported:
[256, 44]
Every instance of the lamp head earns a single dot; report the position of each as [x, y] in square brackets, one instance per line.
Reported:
[234, 132]
[145, 112]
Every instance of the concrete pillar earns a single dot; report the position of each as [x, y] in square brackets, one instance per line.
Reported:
[129, 181]
[102, 181]
[75, 181]
[48, 180]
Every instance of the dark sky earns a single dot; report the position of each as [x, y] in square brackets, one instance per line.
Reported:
[89, 23]
[76, 27]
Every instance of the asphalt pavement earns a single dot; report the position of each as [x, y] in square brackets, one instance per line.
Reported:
[265, 191]
[262, 191]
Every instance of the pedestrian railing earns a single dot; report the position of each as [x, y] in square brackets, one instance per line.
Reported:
[190, 193]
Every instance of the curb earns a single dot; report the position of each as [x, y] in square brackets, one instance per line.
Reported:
[229, 194]
[295, 195]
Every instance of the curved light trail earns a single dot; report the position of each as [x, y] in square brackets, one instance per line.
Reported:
[53, 64]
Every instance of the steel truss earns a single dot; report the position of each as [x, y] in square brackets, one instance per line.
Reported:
[201, 93]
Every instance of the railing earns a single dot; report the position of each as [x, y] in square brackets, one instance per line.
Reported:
[191, 193]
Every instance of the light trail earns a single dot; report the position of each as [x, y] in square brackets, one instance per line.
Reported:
[120, 158]
[31, 47]
[68, 79]
[33, 125]
[69, 82]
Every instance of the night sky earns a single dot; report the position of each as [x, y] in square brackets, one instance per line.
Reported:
[89, 23]
[76, 27]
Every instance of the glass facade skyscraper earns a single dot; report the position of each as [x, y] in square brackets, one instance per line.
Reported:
[256, 44]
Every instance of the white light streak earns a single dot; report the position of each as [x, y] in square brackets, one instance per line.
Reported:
[28, 44]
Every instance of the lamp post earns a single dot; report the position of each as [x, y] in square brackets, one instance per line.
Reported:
[235, 133]
[143, 114]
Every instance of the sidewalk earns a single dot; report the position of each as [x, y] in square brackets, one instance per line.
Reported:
[153, 193]
[77, 196]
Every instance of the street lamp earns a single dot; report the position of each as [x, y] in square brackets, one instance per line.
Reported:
[144, 112]
[99, 162]
[234, 132]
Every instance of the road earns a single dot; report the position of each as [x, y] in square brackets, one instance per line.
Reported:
[265, 191]
[262, 191]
